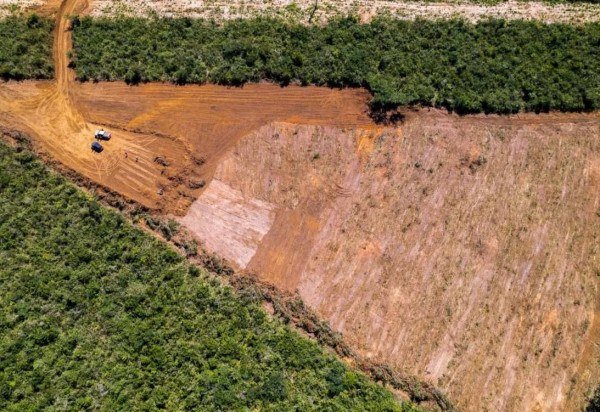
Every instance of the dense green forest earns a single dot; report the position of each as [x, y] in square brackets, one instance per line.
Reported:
[96, 314]
[26, 48]
[493, 66]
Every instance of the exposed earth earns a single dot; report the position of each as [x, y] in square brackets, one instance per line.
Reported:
[464, 250]
[9, 6]
[440, 247]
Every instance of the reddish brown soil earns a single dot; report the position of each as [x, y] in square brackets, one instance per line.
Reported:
[463, 250]
[209, 120]
[45, 110]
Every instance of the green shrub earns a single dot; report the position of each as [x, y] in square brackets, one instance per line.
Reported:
[594, 402]
[26, 47]
[98, 315]
[494, 66]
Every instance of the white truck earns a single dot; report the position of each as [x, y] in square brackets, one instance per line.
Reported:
[102, 135]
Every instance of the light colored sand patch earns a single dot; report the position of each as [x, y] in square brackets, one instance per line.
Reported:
[304, 10]
[10, 6]
[229, 223]
[20, 3]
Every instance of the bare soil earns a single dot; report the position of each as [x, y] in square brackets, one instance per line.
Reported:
[209, 120]
[464, 250]
[189, 127]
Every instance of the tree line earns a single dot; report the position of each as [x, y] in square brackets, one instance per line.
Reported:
[26, 47]
[98, 315]
[493, 66]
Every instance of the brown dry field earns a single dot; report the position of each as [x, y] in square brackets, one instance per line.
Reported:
[480, 278]
[464, 250]
[302, 11]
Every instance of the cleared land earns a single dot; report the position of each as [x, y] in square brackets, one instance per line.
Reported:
[8, 7]
[305, 11]
[443, 229]
[189, 127]
[461, 249]
[447, 227]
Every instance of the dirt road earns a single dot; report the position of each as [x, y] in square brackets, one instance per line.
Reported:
[45, 110]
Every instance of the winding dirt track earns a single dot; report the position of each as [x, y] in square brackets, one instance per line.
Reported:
[46, 111]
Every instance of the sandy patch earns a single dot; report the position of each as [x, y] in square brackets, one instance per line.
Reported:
[230, 223]
[8, 7]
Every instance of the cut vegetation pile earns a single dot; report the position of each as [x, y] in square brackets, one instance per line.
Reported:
[26, 48]
[96, 314]
[493, 66]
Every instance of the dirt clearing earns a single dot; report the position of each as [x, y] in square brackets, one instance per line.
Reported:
[460, 249]
[189, 127]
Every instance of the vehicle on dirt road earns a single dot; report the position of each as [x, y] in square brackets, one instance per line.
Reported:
[97, 147]
[102, 135]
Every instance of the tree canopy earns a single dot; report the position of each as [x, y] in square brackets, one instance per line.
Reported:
[494, 66]
[96, 314]
[26, 47]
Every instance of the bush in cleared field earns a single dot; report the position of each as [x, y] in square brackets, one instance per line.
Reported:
[493, 66]
[594, 402]
[26, 48]
[98, 315]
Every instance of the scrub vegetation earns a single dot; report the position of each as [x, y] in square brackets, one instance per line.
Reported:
[96, 314]
[494, 66]
[594, 402]
[26, 47]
